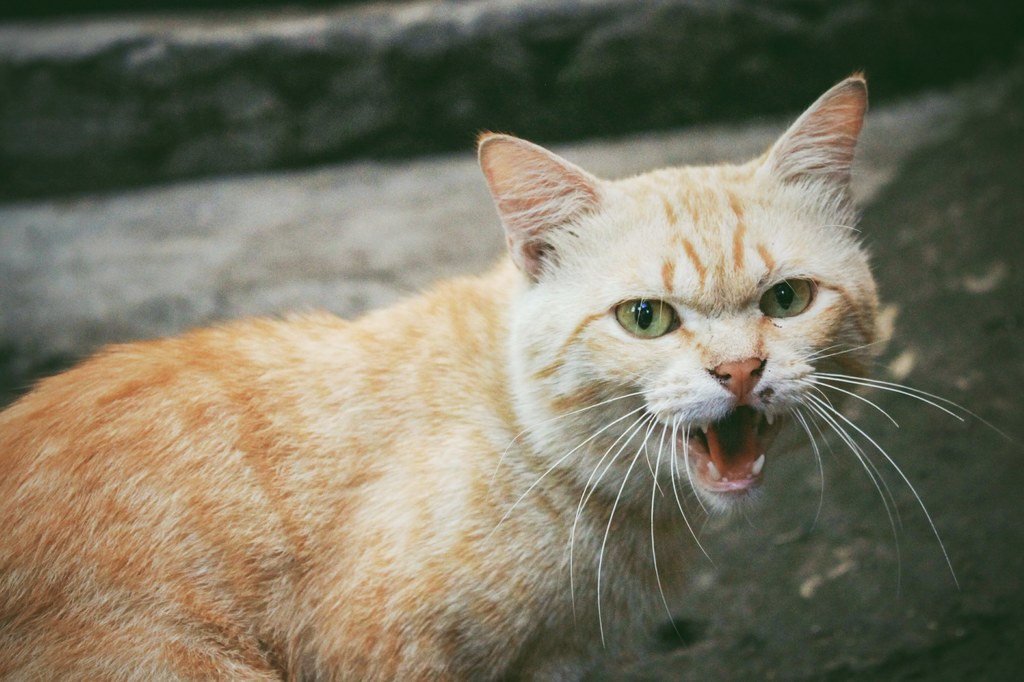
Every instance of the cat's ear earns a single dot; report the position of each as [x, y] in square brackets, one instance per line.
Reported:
[819, 146]
[535, 192]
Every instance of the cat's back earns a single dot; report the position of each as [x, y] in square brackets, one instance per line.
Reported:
[156, 405]
[141, 514]
[210, 395]
[165, 493]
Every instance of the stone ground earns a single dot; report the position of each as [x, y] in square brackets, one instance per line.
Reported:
[92, 103]
[792, 593]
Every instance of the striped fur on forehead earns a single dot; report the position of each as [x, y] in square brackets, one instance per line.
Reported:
[710, 242]
[712, 237]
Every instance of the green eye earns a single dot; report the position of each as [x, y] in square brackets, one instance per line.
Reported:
[646, 319]
[787, 298]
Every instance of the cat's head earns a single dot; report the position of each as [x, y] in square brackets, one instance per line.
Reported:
[680, 316]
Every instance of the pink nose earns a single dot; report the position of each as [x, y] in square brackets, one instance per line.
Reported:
[740, 376]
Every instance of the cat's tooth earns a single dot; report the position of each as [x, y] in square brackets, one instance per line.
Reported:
[714, 473]
[758, 465]
[770, 418]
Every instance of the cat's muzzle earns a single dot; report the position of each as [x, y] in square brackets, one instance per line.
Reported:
[728, 456]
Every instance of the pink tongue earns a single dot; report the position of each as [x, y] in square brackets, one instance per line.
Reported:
[732, 442]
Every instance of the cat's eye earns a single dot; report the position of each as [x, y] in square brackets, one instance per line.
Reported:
[646, 318]
[787, 298]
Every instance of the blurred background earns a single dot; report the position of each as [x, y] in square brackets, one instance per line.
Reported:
[166, 164]
[111, 93]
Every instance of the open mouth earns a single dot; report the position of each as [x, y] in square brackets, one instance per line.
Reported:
[728, 456]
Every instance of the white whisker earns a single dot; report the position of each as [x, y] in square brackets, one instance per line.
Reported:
[522, 433]
[876, 478]
[647, 454]
[913, 490]
[817, 456]
[557, 463]
[825, 411]
[689, 472]
[916, 393]
[608, 527]
[908, 391]
[843, 227]
[675, 489]
[591, 485]
[628, 434]
[873, 404]
[823, 353]
[654, 553]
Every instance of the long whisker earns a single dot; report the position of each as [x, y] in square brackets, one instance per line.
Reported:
[912, 392]
[689, 471]
[591, 486]
[891, 511]
[647, 454]
[628, 434]
[817, 353]
[608, 527]
[654, 552]
[844, 227]
[559, 462]
[908, 391]
[675, 489]
[817, 456]
[826, 404]
[661, 449]
[873, 404]
[823, 353]
[527, 430]
[811, 386]
[913, 490]
[825, 411]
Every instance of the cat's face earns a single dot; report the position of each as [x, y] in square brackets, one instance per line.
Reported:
[678, 317]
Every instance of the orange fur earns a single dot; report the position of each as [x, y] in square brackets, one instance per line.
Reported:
[698, 265]
[415, 494]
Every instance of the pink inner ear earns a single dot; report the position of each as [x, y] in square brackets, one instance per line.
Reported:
[821, 143]
[535, 192]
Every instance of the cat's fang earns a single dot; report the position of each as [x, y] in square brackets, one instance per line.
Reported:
[713, 472]
[769, 417]
[729, 455]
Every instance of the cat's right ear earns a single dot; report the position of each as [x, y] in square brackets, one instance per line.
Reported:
[535, 192]
[819, 146]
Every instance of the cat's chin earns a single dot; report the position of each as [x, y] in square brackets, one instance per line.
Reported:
[726, 459]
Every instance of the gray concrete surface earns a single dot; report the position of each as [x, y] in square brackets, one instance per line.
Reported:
[105, 102]
[788, 597]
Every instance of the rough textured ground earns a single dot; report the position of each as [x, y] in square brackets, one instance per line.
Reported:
[89, 104]
[788, 597]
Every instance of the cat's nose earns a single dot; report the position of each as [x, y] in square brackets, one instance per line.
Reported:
[740, 376]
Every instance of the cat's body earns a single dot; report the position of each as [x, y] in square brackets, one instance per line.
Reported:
[276, 507]
[477, 483]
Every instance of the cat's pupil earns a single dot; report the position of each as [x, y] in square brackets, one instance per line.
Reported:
[643, 312]
[784, 295]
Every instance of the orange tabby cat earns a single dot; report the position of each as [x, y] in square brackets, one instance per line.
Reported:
[482, 482]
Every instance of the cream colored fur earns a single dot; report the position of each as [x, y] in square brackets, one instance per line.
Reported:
[437, 490]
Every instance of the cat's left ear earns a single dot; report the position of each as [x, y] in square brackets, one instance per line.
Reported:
[535, 192]
[820, 144]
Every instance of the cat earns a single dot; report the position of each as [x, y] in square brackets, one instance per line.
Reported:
[486, 481]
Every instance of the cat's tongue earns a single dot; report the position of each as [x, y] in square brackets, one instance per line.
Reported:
[732, 444]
